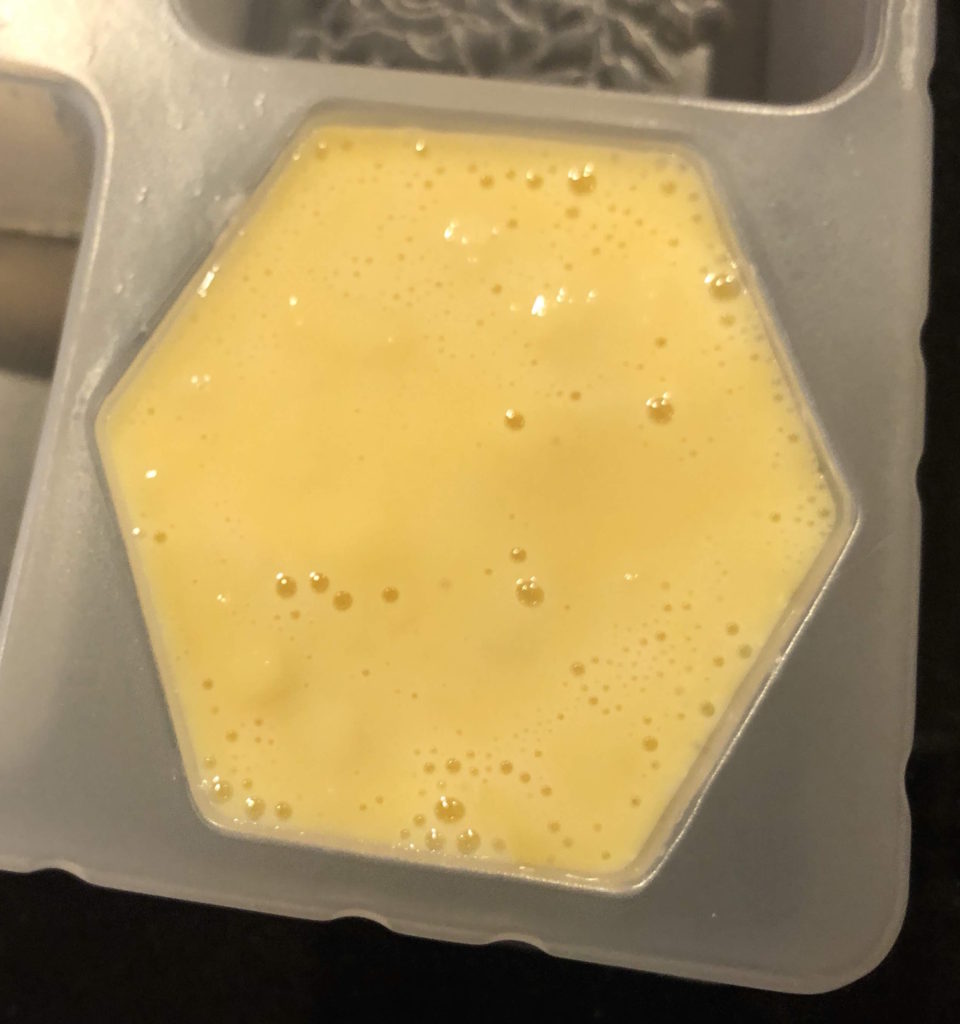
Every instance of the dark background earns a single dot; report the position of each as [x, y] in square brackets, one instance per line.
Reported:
[72, 952]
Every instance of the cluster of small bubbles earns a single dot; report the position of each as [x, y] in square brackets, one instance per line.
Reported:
[529, 591]
[660, 408]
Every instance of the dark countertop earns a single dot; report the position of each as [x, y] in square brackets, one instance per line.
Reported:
[69, 951]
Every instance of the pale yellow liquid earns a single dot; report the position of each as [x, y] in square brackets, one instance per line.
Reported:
[462, 489]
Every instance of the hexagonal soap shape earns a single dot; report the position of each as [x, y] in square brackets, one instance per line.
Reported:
[469, 499]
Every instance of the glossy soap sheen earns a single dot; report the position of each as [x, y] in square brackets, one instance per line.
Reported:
[461, 490]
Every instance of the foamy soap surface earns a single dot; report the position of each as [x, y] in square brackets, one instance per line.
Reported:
[461, 489]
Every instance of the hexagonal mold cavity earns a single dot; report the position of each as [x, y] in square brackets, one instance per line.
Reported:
[471, 501]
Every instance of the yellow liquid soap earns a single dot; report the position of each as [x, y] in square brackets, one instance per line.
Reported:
[461, 489]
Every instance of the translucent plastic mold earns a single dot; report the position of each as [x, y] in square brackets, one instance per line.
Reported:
[792, 874]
